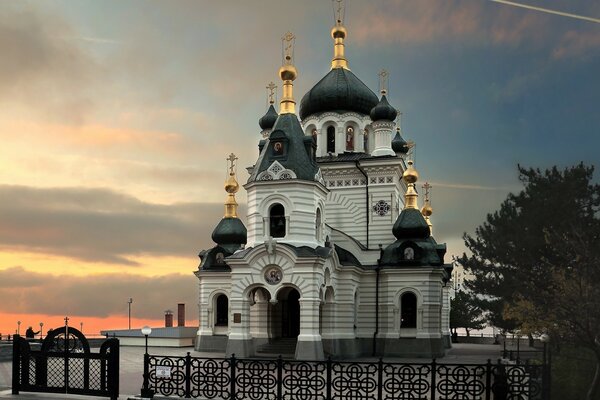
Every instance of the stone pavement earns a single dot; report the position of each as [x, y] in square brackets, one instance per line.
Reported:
[132, 365]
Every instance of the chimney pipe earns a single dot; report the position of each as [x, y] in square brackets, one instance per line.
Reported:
[168, 319]
[181, 314]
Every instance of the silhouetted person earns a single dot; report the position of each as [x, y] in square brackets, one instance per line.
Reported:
[30, 334]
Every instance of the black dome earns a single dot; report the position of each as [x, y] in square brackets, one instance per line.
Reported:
[399, 145]
[230, 233]
[383, 110]
[268, 120]
[339, 90]
[411, 225]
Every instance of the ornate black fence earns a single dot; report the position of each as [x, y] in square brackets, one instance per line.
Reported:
[65, 365]
[279, 379]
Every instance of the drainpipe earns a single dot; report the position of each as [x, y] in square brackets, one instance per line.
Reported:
[377, 270]
[357, 163]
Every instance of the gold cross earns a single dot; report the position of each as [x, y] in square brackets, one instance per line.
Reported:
[426, 186]
[339, 11]
[288, 47]
[271, 88]
[231, 160]
[383, 81]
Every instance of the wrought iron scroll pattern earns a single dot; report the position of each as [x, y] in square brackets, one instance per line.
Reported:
[263, 379]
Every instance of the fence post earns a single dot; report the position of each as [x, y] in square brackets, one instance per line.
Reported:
[232, 388]
[188, 374]
[279, 377]
[488, 379]
[380, 379]
[16, 366]
[328, 383]
[114, 369]
[433, 378]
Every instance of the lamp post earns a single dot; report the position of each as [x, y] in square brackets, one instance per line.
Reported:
[129, 312]
[545, 338]
[146, 392]
[41, 330]
[18, 327]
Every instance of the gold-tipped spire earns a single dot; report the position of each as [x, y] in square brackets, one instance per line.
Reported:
[410, 176]
[427, 210]
[288, 74]
[231, 187]
[338, 33]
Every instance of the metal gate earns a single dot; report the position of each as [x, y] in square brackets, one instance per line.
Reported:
[65, 364]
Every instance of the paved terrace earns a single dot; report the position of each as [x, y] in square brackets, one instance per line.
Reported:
[131, 367]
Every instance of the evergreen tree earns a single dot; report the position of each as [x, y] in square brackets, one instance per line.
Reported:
[536, 260]
[465, 313]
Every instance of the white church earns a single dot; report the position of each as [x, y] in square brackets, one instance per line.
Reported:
[337, 258]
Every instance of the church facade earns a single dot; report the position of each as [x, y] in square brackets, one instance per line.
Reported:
[337, 258]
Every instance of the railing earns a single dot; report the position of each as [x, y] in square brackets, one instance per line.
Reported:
[278, 379]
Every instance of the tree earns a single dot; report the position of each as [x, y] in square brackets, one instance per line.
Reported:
[465, 313]
[537, 259]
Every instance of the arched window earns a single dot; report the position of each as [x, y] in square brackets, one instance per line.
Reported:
[331, 139]
[222, 315]
[318, 224]
[408, 308]
[277, 221]
[366, 141]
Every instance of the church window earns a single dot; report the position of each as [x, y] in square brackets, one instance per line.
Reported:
[222, 315]
[409, 253]
[277, 221]
[366, 141]
[350, 139]
[408, 309]
[318, 224]
[331, 139]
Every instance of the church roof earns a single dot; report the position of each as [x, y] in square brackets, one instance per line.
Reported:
[399, 145]
[214, 259]
[268, 120]
[339, 90]
[411, 224]
[287, 145]
[230, 233]
[383, 111]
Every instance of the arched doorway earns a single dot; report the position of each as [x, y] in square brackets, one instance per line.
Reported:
[290, 312]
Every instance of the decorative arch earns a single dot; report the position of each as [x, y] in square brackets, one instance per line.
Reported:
[221, 308]
[330, 139]
[265, 204]
[409, 303]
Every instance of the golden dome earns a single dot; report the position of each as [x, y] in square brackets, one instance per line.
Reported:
[288, 72]
[338, 31]
[231, 185]
[427, 210]
[410, 175]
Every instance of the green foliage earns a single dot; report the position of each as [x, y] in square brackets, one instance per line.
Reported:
[572, 373]
[465, 312]
[536, 260]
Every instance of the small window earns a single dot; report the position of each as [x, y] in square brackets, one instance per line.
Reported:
[222, 317]
[331, 139]
[409, 253]
[318, 224]
[277, 221]
[408, 308]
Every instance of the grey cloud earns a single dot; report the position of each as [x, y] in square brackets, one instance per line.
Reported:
[102, 225]
[40, 65]
[23, 291]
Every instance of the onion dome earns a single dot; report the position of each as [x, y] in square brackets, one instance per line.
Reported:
[383, 111]
[340, 91]
[230, 233]
[411, 223]
[399, 145]
[268, 120]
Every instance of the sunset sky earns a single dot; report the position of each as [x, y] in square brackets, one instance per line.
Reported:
[116, 118]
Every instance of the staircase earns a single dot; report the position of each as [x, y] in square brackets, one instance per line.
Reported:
[286, 347]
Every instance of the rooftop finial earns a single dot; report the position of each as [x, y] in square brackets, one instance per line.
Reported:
[231, 187]
[383, 81]
[338, 33]
[288, 73]
[427, 210]
[271, 92]
[410, 176]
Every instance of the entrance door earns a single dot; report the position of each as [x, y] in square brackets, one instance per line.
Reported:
[290, 314]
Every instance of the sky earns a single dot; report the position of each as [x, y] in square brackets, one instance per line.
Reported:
[116, 119]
